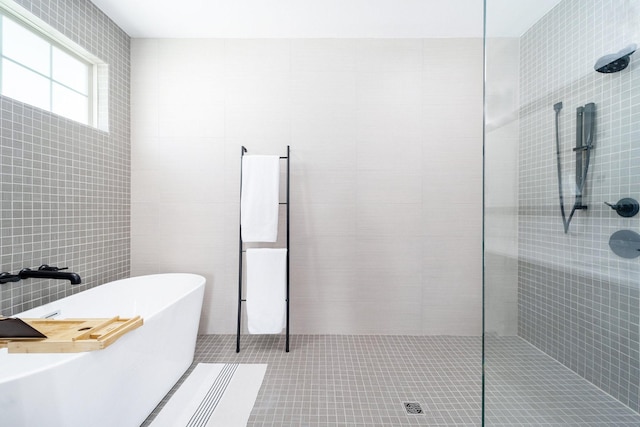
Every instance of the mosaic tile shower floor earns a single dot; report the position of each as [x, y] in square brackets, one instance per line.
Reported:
[363, 380]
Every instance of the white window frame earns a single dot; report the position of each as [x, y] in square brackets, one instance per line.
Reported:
[96, 69]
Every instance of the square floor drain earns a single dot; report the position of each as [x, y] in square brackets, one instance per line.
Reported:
[413, 408]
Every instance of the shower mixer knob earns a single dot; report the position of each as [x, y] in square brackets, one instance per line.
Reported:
[626, 207]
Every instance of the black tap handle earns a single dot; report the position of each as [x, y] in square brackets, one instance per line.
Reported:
[626, 207]
[45, 267]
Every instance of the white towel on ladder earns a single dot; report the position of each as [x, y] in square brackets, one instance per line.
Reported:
[259, 198]
[266, 290]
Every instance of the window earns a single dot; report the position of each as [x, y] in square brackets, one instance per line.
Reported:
[37, 70]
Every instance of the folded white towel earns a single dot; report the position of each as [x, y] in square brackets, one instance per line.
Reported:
[266, 290]
[259, 198]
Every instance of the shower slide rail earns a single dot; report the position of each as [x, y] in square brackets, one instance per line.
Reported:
[585, 131]
[241, 250]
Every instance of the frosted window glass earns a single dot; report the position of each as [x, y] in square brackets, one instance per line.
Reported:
[70, 104]
[24, 85]
[25, 47]
[70, 71]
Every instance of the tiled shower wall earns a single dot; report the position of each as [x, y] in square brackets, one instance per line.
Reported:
[501, 185]
[65, 186]
[386, 174]
[578, 301]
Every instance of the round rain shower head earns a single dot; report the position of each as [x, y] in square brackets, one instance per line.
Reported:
[616, 61]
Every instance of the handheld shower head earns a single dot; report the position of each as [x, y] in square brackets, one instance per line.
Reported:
[615, 62]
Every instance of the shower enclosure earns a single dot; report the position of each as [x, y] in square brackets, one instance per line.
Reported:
[561, 229]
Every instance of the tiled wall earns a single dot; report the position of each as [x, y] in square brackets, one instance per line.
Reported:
[65, 186]
[578, 301]
[386, 147]
[501, 186]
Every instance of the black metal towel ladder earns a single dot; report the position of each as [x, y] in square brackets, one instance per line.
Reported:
[241, 251]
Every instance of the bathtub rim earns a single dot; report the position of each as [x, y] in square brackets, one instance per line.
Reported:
[64, 358]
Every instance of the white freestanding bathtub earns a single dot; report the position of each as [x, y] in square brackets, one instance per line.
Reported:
[120, 385]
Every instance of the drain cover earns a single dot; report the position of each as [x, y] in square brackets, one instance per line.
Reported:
[413, 408]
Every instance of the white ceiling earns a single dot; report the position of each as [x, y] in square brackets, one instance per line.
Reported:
[322, 18]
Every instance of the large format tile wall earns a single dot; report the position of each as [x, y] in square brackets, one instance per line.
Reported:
[386, 149]
[65, 186]
[578, 301]
[502, 105]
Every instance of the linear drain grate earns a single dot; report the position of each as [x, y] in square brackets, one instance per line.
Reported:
[413, 408]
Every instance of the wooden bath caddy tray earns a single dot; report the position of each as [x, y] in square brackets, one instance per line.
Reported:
[72, 335]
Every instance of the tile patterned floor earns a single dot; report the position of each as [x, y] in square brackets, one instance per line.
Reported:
[347, 380]
[524, 386]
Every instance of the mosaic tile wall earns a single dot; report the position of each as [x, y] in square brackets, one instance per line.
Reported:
[578, 301]
[65, 186]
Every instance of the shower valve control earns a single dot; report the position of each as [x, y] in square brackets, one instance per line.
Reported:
[626, 207]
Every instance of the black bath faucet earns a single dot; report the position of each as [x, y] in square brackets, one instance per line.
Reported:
[48, 272]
